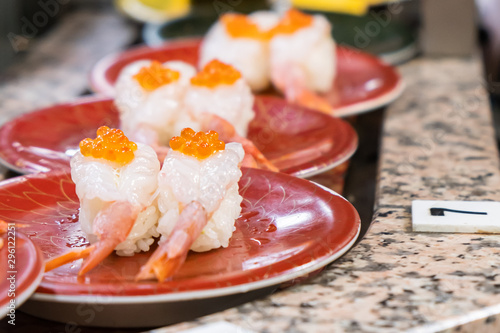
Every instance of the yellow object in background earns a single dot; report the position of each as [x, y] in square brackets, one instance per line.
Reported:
[354, 7]
[153, 11]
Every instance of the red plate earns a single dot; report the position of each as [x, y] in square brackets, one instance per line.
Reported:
[288, 227]
[25, 268]
[363, 82]
[301, 142]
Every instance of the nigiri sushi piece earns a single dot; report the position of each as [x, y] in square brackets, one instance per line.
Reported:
[149, 98]
[302, 58]
[242, 41]
[217, 94]
[198, 200]
[116, 180]
[220, 89]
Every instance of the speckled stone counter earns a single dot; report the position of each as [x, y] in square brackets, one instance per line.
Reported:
[438, 143]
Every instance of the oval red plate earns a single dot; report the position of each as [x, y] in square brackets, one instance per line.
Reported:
[24, 268]
[363, 82]
[288, 227]
[299, 141]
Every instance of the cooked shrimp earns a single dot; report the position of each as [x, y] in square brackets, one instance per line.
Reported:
[198, 200]
[116, 180]
[112, 226]
[253, 156]
[303, 59]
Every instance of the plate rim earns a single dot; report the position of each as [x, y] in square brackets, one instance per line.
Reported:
[370, 105]
[99, 85]
[289, 274]
[22, 297]
[210, 293]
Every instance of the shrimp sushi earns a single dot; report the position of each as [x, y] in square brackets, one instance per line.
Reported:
[302, 53]
[149, 98]
[196, 192]
[116, 180]
[242, 41]
[219, 89]
[215, 98]
[198, 199]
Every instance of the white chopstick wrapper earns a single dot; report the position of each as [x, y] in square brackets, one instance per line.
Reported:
[217, 327]
[456, 216]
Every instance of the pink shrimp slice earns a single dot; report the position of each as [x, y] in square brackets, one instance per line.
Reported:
[112, 226]
[171, 254]
[291, 82]
[227, 133]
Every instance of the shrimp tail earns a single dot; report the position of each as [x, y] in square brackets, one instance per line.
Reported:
[291, 78]
[253, 156]
[67, 258]
[101, 250]
[313, 101]
[112, 226]
[252, 151]
[170, 255]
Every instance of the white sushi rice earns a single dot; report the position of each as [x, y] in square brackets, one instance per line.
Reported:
[213, 182]
[99, 182]
[157, 111]
[249, 56]
[312, 49]
[233, 102]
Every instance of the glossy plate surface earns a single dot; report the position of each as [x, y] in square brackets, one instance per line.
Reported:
[289, 227]
[363, 82]
[299, 141]
[25, 268]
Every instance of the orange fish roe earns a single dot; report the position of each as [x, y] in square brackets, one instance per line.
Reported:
[292, 21]
[110, 144]
[197, 144]
[240, 26]
[155, 76]
[216, 73]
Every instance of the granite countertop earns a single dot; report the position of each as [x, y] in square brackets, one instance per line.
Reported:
[438, 143]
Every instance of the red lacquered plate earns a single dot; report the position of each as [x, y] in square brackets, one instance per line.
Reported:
[299, 141]
[289, 227]
[24, 268]
[363, 82]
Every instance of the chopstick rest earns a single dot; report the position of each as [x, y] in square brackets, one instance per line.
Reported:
[456, 216]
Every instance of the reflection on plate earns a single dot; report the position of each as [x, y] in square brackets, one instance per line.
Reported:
[299, 141]
[24, 270]
[289, 227]
[363, 82]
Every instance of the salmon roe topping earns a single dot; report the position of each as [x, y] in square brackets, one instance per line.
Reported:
[110, 144]
[216, 73]
[197, 144]
[241, 26]
[155, 75]
[292, 21]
